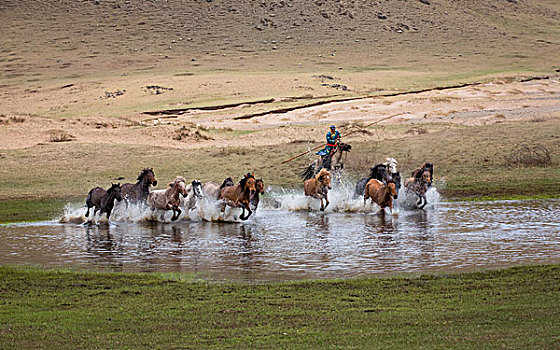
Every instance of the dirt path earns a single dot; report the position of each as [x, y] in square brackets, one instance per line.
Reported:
[473, 105]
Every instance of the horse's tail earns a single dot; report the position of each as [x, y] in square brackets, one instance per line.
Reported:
[308, 173]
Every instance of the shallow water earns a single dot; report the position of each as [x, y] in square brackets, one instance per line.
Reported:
[286, 241]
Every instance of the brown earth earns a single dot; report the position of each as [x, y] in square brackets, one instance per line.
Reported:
[95, 73]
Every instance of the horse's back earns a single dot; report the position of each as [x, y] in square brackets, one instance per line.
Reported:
[360, 187]
[310, 187]
[95, 195]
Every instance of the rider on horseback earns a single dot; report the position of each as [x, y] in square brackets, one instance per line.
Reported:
[333, 138]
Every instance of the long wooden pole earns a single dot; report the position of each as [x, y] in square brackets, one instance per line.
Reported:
[350, 133]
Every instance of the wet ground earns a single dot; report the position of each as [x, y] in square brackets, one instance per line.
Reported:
[291, 242]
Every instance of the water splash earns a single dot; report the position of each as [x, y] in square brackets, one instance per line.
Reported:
[275, 198]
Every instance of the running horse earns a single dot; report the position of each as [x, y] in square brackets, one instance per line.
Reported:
[384, 172]
[103, 201]
[333, 161]
[318, 187]
[139, 191]
[419, 186]
[239, 195]
[169, 199]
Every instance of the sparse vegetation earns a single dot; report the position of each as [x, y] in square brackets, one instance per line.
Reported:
[529, 155]
[60, 136]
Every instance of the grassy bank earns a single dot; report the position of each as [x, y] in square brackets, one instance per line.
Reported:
[511, 308]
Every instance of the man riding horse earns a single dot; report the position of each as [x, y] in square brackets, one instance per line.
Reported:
[333, 138]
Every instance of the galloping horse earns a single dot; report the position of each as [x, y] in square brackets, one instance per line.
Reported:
[318, 187]
[259, 189]
[426, 166]
[194, 192]
[239, 195]
[169, 199]
[419, 186]
[139, 191]
[378, 172]
[333, 161]
[211, 189]
[102, 200]
[380, 193]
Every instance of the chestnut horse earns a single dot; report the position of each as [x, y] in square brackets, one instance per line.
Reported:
[139, 191]
[380, 193]
[239, 195]
[102, 200]
[169, 199]
[419, 186]
[318, 187]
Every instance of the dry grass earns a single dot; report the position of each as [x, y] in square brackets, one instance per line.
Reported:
[60, 136]
[529, 155]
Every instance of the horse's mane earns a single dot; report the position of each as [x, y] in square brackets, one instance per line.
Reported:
[373, 172]
[243, 181]
[144, 173]
[226, 182]
[321, 172]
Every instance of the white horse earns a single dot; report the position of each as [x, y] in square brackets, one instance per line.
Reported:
[194, 194]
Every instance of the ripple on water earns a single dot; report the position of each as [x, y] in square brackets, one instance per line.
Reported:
[288, 238]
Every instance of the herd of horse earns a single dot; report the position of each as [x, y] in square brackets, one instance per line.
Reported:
[380, 186]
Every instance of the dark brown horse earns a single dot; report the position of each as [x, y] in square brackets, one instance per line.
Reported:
[239, 195]
[425, 167]
[103, 201]
[139, 191]
[419, 186]
[259, 189]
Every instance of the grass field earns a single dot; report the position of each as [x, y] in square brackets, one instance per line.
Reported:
[514, 308]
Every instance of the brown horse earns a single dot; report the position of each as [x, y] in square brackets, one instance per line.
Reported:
[239, 195]
[318, 187]
[211, 189]
[426, 166]
[169, 199]
[259, 189]
[139, 191]
[419, 186]
[380, 193]
[102, 200]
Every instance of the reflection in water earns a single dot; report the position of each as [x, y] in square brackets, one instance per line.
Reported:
[281, 245]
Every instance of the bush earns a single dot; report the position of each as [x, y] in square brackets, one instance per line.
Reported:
[525, 155]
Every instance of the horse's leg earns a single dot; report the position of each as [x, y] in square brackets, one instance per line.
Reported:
[425, 201]
[176, 209]
[242, 217]
[322, 205]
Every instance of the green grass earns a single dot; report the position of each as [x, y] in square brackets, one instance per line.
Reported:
[26, 210]
[515, 308]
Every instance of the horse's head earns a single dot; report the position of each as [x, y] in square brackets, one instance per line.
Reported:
[149, 176]
[115, 191]
[393, 189]
[197, 188]
[227, 182]
[344, 147]
[391, 164]
[324, 178]
[426, 177]
[259, 186]
[180, 184]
